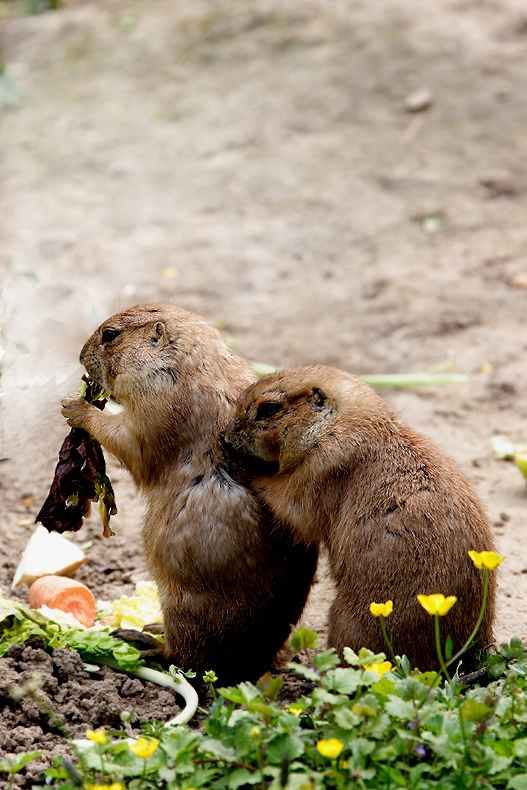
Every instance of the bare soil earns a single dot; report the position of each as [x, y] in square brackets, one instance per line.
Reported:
[271, 167]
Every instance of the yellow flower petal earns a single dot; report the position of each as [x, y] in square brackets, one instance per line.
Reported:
[486, 559]
[384, 609]
[97, 736]
[295, 708]
[143, 748]
[381, 669]
[437, 603]
[330, 748]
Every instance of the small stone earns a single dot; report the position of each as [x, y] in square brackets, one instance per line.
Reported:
[499, 183]
[518, 280]
[418, 100]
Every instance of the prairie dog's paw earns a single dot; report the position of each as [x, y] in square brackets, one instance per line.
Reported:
[76, 411]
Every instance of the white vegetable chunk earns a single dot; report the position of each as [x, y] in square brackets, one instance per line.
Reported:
[47, 554]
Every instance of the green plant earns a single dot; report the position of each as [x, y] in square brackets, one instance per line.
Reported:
[366, 723]
[362, 725]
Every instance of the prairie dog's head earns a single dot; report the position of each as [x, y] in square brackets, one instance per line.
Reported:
[148, 348]
[284, 418]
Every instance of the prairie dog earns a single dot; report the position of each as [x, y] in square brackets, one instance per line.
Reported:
[331, 460]
[231, 579]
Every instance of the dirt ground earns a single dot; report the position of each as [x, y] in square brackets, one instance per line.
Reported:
[343, 183]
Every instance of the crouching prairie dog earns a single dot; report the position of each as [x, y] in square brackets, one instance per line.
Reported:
[331, 460]
[232, 580]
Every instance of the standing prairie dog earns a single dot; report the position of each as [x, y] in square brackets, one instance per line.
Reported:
[331, 460]
[231, 579]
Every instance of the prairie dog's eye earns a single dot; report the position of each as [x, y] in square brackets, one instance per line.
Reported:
[109, 334]
[267, 409]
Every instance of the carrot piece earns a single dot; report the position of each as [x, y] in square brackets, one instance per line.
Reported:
[68, 595]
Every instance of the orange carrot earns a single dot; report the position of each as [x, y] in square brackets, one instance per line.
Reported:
[68, 595]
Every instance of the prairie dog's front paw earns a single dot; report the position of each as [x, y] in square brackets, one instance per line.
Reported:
[76, 411]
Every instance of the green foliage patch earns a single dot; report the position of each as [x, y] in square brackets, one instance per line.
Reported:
[362, 726]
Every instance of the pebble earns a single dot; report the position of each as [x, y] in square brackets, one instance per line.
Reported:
[418, 100]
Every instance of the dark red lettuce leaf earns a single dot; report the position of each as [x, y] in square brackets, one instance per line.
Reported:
[80, 479]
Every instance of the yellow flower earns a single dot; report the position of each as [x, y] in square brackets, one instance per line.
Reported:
[384, 609]
[437, 603]
[386, 666]
[113, 786]
[486, 559]
[143, 748]
[255, 732]
[97, 736]
[331, 748]
[295, 708]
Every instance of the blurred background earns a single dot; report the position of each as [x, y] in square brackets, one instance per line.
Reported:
[343, 183]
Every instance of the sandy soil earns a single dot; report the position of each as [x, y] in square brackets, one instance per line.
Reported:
[343, 183]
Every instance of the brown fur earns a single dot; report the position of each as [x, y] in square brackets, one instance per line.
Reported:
[398, 518]
[231, 580]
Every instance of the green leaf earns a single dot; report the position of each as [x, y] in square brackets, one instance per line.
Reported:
[270, 686]
[257, 706]
[14, 763]
[241, 776]
[233, 694]
[351, 657]
[344, 680]
[241, 694]
[401, 709]
[306, 672]
[291, 744]
[348, 719]
[218, 749]
[367, 657]
[99, 644]
[304, 638]
[475, 711]
[504, 748]
[322, 697]
[497, 666]
[515, 649]
[518, 782]
[326, 660]
[404, 380]
[363, 711]
[520, 747]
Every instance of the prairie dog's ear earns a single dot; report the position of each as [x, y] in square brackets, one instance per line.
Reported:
[319, 398]
[158, 332]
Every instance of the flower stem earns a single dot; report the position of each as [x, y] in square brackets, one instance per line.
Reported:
[388, 642]
[478, 622]
[439, 649]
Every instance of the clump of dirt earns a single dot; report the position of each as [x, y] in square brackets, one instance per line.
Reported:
[48, 697]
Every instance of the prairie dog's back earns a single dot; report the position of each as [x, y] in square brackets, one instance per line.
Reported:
[333, 461]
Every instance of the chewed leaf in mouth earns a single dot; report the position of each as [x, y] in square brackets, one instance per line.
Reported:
[80, 477]
[113, 406]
